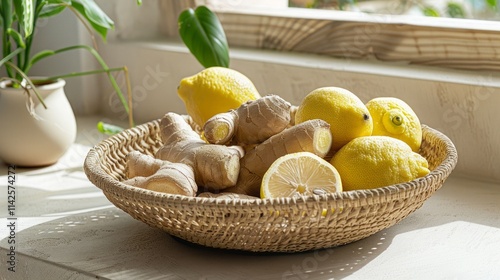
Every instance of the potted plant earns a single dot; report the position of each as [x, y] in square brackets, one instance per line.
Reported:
[36, 119]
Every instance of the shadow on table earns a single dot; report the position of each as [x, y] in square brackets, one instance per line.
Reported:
[329, 263]
[110, 244]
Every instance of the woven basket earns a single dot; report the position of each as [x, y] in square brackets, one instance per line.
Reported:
[264, 225]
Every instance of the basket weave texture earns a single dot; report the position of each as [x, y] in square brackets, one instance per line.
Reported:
[264, 225]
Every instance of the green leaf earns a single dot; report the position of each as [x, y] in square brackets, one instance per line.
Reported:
[65, 2]
[25, 12]
[202, 32]
[96, 17]
[430, 11]
[18, 38]
[49, 10]
[455, 10]
[10, 56]
[108, 129]
[40, 55]
[53, 7]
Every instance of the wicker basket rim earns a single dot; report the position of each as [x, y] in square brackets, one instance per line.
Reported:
[107, 183]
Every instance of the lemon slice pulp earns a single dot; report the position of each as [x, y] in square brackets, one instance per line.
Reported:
[299, 174]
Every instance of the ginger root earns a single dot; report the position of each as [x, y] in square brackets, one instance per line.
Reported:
[252, 123]
[215, 166]
[227, 168]
[311, 136]
[157, 175]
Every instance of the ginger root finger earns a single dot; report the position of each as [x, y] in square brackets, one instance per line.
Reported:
[157, 175]
[293, 111]
[139, 164]
[215, 166]
[311, 136]
[251, 123]
[220, 128]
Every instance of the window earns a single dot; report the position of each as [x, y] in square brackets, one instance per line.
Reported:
[444, 42]
[474, 9]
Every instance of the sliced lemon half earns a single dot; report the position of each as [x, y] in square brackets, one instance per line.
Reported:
[300, 174]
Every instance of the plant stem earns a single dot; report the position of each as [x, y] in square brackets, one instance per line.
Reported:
[77, 74]
[130, 101]
[28, 80]
[101, 62]
[127, 104]
[7, 22]
[86, 25]
[20, 57]
[127, 79]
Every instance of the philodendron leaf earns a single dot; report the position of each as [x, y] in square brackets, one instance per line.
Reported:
[202, 32]
[97, 18]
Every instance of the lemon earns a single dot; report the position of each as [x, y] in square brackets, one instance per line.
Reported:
[298, 174]
[343, 110]
[215, 90]
[376, 161]
[393, 117]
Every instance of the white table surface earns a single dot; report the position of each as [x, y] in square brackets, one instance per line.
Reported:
[67, 229]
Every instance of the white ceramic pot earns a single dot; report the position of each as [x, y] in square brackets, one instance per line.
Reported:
[39, 139]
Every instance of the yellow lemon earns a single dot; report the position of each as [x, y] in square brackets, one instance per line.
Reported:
[393, 117]
[343, 110]
[298, 174]
[376, 161]
[215, 90]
